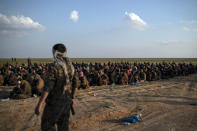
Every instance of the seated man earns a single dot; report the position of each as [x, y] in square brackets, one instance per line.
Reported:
[22, 90]
[103, 78]
[37, 85]
[134, 79]
[149, 75]
[10, 79]
[1, 80]
[142, 75]
[83, 81]
[124, 79]
[36, 82]
[154, 75]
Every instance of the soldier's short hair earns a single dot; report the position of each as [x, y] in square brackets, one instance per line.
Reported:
[59, 47]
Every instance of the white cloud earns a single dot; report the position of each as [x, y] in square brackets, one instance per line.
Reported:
[169, 42]
[74, 15]
[173, 42]
[135, 21]
[190, 29]
[186, 29]
[189, 26]
[191, 22]
[18, 24]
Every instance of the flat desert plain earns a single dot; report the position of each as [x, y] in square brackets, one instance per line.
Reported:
[165, 105]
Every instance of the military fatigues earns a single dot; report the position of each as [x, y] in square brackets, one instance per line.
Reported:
[58, 102]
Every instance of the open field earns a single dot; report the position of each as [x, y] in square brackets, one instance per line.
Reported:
[102, 60]
[165, 105]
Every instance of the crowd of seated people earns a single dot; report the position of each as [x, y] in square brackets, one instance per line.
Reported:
[127, 73]
[29, 79]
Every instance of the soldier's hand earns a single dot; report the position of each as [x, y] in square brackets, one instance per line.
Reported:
[37, 110]
[40, 103]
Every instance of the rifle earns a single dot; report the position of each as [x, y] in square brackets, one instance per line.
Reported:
[72, 109]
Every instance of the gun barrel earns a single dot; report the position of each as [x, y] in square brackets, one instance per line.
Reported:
[72, 109]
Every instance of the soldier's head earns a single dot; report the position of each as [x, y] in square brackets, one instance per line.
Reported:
[59, 50]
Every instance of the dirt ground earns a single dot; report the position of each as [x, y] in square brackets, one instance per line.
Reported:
[166, 105]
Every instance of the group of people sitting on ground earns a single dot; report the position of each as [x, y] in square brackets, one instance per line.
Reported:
[29, 79]
[130, 73]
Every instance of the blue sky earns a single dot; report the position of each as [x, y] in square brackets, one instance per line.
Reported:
[99, 28]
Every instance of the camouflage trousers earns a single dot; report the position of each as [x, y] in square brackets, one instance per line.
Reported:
[56, 116]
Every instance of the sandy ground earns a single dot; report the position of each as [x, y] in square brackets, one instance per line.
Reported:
[166, 105]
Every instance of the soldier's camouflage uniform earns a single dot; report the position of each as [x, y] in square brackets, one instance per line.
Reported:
[59, 100]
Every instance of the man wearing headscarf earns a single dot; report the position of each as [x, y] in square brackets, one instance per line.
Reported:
[60, 84]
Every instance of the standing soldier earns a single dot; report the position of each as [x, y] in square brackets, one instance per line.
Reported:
[29, 62]
[58, 92]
